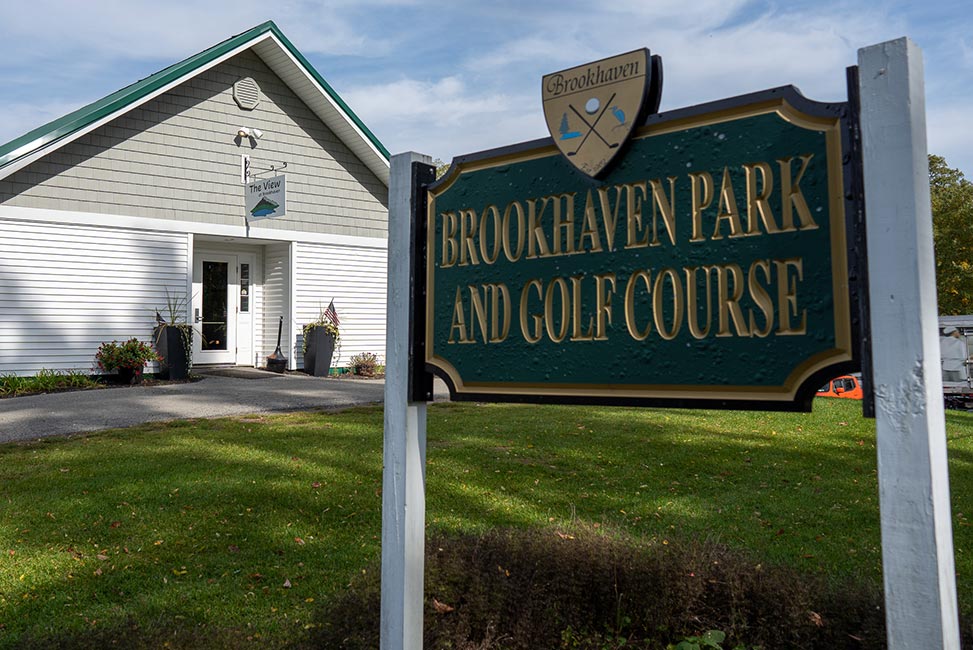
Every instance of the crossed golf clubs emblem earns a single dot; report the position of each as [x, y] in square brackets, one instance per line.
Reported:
[591, 126]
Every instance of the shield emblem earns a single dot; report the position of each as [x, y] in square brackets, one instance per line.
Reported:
[591, 109]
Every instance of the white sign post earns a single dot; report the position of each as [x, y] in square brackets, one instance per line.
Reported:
[404, 451]
[917, 538]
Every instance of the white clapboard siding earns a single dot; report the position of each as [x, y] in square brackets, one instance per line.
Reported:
[275, 303]
[67, 288]
[355, 277]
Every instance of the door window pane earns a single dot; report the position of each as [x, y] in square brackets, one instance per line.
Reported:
[244, 288]
[215, 275]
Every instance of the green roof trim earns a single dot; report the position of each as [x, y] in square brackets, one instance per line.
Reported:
[118, 100]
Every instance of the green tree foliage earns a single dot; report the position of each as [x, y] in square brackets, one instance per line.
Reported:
[441, 167]
[952, 222]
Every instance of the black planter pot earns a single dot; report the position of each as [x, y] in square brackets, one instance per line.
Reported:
[171, 346]
[318, 351]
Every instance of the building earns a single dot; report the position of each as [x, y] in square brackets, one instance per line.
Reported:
[138, 200]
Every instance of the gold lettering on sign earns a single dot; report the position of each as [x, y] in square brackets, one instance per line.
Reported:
[536, 240]
[727, 209]
[467, 230]
[493, 254]
[666, 207]
[603, 304]
[692, 293]
[791, 196]
[531, 335]
[630, 288]
[702, 195]
[678, 304]
[510, 252]
[577, 334]
[635, 214]
[787, 296]
[758, 202]
[450, 246]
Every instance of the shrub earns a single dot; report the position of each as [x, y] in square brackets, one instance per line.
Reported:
[586, 591]
[133, 354]
[364, 364]
[44, 381]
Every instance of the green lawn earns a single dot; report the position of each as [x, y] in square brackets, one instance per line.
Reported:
[248, 524]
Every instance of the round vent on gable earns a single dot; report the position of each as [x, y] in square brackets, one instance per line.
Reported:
[246, 93]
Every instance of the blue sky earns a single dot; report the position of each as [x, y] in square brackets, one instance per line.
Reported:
[449, 78]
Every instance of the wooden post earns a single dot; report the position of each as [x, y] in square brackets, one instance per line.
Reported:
[404, 451]
[917, 539]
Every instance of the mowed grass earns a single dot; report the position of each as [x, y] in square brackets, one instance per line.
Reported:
[246, 526]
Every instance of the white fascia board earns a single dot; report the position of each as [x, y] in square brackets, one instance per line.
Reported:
[57, 144]
[257, 234]
[376, 162]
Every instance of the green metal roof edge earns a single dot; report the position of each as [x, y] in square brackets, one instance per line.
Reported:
[86, 115]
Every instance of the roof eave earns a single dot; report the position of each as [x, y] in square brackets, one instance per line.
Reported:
[329, 107]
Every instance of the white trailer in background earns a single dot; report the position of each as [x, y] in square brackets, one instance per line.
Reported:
[959, 394]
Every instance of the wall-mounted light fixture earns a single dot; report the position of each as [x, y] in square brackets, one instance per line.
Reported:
[249, 132]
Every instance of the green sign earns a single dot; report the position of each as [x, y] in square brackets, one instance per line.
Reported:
[708, 265]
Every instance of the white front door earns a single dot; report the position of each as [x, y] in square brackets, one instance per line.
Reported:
[216, 289]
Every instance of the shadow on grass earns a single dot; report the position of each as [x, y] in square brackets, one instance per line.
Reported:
[236, 531]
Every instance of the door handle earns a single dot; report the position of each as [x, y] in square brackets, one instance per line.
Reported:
[198, 317]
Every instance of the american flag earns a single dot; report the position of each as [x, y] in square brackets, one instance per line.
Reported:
[331, 314]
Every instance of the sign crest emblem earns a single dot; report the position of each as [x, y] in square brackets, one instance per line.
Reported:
[591, 109]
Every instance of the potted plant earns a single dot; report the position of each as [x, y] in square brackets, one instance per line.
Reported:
[321, 341]
[127, 359]
[173, 338]
[364, 364]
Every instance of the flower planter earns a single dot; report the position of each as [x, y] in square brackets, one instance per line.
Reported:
[319, 350]
[173, 347]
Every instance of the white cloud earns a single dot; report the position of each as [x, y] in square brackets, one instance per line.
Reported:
[148, 29]
[456, 78]
[492, 98]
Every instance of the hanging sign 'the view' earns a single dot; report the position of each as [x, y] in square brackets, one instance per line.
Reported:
[266, 198]
[695, 257]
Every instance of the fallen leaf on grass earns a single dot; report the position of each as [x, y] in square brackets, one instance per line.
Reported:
[287, 584]
[102, 557]
[299, 541]
[816, 619]
[441, 608]
[233, 548]
[565, 536]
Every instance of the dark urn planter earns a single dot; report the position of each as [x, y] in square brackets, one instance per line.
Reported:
[171, 346]
[318, 351]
